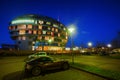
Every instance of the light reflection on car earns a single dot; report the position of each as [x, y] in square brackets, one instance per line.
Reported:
[38, 65]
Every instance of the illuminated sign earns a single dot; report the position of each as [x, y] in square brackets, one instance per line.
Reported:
[22, 21]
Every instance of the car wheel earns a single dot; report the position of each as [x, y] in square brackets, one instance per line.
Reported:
[65, 66]
[36, 71]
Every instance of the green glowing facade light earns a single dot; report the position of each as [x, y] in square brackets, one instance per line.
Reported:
[23, 21]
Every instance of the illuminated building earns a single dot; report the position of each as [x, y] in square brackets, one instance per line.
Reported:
[33, 32]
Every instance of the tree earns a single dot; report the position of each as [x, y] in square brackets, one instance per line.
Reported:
[116, 41]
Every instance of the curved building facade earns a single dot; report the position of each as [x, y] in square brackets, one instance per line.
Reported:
[36, 32]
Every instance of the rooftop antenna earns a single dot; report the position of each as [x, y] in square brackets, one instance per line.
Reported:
[58, 19]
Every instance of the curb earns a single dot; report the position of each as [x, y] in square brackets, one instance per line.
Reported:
[107, 78]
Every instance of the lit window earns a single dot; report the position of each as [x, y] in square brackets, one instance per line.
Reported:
[64, 29]
[48, 33]
[56, 30]
[19, 38]
[21, 31]
[52, 38]
[44, 32]
[58, 34]
[40, 27]
[30, 31]
[29, 27]
[46, 38]
[39, 32]
[10, 27]
[21, 27]
[48, 23]
[52, 29]
[39, 37]
[66, 37]
[52, 34]
[34, 32]
[66, 33]
[48, 28]
[55, 25]
[41, 22]
[13, 27]
[61, 24]
[23, 38]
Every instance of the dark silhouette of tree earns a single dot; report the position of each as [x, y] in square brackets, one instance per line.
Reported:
[100, 44]
[116, 41]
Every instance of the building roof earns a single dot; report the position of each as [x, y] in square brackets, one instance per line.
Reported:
[36, 17]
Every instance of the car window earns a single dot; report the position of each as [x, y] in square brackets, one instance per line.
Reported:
[44, 59]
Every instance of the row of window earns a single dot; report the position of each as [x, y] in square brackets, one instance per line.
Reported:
[39, 32]
[34, 27]
[47, 38]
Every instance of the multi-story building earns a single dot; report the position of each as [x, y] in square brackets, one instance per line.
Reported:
[36, 32]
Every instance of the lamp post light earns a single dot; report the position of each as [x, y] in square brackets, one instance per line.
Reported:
[109, 46]
[89, 44]
[71, 30]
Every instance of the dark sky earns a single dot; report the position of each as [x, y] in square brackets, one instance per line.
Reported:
[95, 20]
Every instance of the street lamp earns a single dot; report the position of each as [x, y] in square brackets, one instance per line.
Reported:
[71, 30]
[89, 44]
[109, 45]
[49, 41]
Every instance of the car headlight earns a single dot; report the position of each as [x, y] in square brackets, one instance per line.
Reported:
[28, 66]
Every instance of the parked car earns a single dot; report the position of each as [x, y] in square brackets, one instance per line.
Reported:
[38, 54]
[39, 65]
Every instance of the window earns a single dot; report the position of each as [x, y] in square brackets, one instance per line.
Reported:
[21, 27]
[58, 34]
[48, 28]
[21, 31]
[19, 38]
[35, 27]
[40, 27]
[46, 38]
[64, 28]
[56, 30]
[48, 33]
[34, 32]
[39, 32]
[44, 32]
[52, 29]
[55, 25]
[10, 27]
[52, 34]
[48, 23]
[66, 37]
[40, 22]
[23, 38]
[29, 31]
[29, 27]
[39, 37]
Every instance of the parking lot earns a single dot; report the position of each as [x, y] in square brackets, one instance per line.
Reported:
[12, 68]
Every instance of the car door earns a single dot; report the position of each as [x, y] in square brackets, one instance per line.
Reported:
[50, 64]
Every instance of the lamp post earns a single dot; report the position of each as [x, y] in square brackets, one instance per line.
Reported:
[71, 30]
[89, 46]
[49, 41]
[109, 46]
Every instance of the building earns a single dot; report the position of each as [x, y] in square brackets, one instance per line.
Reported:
[9, 47]
[36, 32]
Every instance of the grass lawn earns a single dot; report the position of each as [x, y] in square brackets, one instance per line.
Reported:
[108, 66]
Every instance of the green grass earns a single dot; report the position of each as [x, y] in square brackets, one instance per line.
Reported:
[108, 66]
[100, 71]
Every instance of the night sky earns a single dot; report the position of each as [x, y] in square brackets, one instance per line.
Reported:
[95, 20]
